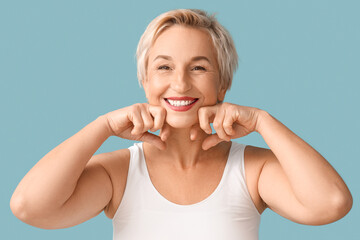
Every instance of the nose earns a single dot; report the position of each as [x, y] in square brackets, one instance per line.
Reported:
[181, 82]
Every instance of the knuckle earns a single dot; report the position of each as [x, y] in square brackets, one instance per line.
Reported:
[157, 111]
[135, 107]
[148, 125]
[237, 114]
[216, 124]
[221, 134]
[139, 125]
[227, 125]
[232, 108]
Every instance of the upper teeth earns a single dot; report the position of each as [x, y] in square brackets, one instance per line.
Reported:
[180, 103]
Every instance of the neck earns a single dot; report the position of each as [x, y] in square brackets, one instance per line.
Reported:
[181, 151]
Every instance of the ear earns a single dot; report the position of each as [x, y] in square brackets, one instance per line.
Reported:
[221, 95]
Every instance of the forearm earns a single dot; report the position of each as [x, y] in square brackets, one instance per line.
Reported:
[313, 180]
[53, 179]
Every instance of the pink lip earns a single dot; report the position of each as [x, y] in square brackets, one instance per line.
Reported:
[181, 108]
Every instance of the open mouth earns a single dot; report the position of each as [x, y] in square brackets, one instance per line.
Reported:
[181, 103]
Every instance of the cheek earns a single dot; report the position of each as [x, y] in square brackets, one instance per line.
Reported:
[154, 90]
[209, 92]
[152, 94]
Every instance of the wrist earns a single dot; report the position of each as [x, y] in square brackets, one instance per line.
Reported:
[103, 120]
[262, 116]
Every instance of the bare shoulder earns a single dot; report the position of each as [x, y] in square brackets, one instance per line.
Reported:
[116, 164]
[254, 160]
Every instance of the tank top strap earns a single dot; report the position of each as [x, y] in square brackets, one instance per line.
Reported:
[236, 178]
[137, 167]
[236, 159]
[134, 182]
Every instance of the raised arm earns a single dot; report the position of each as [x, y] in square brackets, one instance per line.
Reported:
[295, 180]
[43, 197]
[69, 185]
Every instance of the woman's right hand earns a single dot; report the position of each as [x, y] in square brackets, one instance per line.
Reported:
[134, 122]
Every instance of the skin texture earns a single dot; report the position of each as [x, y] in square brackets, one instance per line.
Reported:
[186, 160]
[180, 76]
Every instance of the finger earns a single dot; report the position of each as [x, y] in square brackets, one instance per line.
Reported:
[165, 132]
[147, 118]
[206, 116]
[136, 119]
[211, 141]
[194, 131]
[154, 140]
[218, 125]
[159, 114]
[228, 123]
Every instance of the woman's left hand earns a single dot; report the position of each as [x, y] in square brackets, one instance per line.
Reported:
[230, 121]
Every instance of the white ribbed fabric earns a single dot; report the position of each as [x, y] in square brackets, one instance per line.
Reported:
[228, 213]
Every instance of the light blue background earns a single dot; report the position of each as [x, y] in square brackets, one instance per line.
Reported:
[64, 63]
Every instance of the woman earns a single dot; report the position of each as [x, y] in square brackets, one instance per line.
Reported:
[186, 183]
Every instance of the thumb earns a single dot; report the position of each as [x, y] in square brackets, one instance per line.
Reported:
[211, 141]
[194, 131]
[154, 140]
[165, 132]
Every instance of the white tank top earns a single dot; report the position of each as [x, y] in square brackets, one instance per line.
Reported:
[228, 213]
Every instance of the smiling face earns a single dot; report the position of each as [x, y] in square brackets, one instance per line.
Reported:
[182, 74]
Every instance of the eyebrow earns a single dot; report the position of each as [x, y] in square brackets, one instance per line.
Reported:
[196, 58]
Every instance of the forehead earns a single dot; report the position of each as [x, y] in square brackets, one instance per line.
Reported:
[182, 43]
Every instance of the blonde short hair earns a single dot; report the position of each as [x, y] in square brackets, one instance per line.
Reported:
[225, 48]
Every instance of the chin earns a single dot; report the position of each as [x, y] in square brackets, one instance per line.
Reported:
[181, 121]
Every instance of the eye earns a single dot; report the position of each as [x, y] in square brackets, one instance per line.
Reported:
[199, 68]
[164, 67]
